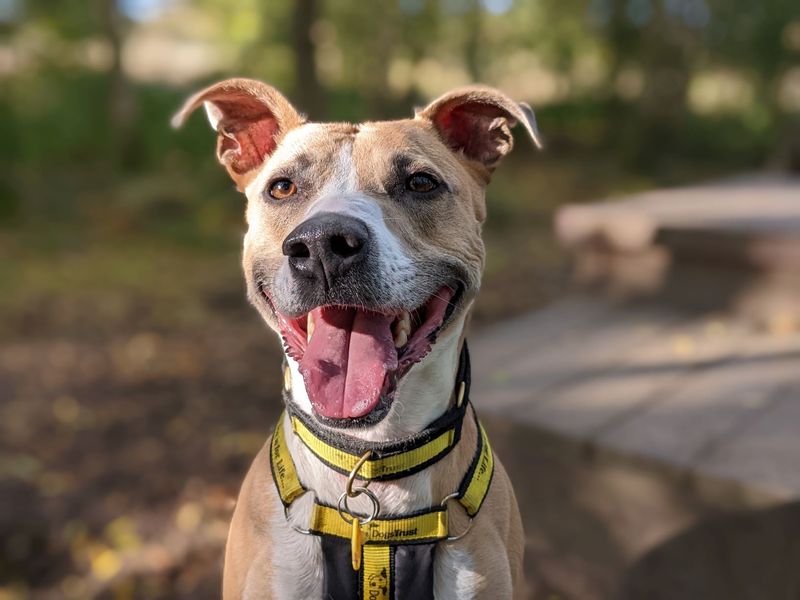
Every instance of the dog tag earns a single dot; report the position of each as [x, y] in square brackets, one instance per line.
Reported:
[356, 542]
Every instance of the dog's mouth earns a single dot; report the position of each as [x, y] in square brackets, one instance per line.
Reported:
[351, 358]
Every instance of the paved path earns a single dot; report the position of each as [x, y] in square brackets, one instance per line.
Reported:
[696, 363]
[708, 394]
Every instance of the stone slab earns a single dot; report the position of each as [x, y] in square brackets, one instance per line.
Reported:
[704, 408]
[675, 388]
[766, 454]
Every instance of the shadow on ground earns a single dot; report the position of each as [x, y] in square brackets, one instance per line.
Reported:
[747, 555]
[604, 527]
[122, 453]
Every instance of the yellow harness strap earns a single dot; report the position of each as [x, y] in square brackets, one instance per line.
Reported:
[378, 535]
[427, 526]
[376, 575]
[475, 485]
[394, 465]
[283, 470]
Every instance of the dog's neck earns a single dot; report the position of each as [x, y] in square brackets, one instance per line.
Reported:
[422, 395]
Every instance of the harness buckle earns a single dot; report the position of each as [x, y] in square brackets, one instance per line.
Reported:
[353, 491]
[347, 515]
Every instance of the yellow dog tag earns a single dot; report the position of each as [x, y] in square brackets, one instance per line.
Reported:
[356, 542]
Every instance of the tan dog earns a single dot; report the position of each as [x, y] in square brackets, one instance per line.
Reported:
[364, 252]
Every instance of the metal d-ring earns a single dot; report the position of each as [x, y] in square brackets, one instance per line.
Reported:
[297, 528]
[453, 538]
[344, 509]
[351, 478]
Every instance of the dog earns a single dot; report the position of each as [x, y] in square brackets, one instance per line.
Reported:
[363, 251]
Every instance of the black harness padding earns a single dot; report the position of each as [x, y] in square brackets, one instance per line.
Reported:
[341, 582]
[413, 572]
[410, 575]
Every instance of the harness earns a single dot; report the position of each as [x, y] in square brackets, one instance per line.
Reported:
[377, 556]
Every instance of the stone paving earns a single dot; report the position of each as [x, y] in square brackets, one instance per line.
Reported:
[706, 394]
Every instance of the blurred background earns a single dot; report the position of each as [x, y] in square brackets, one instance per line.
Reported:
[135, 383]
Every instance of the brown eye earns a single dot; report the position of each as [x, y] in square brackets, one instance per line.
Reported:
[282, 188]
[422, 183]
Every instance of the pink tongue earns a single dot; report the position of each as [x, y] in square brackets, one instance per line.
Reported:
[347, 360]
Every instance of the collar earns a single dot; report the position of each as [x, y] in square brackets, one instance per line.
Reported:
[388, 460]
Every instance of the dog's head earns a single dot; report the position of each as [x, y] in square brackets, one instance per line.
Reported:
[363, 249]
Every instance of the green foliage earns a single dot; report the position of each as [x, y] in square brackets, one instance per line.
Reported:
[63, 113]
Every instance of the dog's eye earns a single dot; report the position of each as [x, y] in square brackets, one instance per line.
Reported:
[282, 188]
[422, 183]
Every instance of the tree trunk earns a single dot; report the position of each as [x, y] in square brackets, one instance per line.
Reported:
[309, 93]
[121, 107]
[473, 46]
[377, 60]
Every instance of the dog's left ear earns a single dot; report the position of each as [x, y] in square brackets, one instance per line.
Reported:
[476, 120]
[250, 118]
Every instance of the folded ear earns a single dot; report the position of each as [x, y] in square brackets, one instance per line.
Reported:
[250, 118]
[476, 120]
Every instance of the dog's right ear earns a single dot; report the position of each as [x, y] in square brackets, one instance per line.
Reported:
[250, 118]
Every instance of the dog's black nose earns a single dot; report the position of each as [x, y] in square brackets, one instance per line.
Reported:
[326, 246]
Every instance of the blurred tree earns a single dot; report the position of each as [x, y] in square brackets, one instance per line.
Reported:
[368, 37]
[664, 52]
[751, 37]
[347, 59]
[307, 87]
[474, 47]
[121, 108]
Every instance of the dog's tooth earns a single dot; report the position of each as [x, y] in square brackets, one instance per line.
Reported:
[405, 320]
[310, 326]
[401, 330]
[400, 338]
